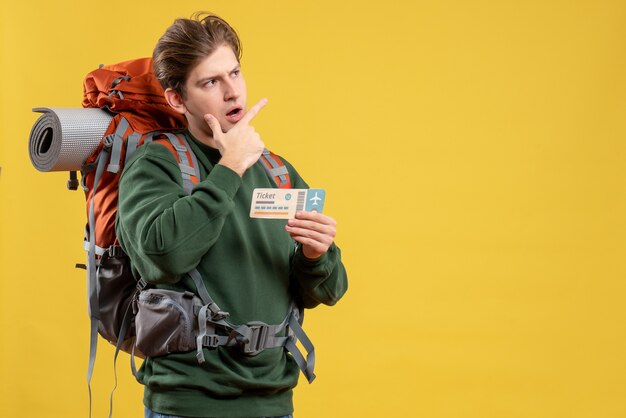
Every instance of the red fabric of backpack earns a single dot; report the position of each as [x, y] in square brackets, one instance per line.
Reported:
[131, 91]
[130, 87]
[141, 114]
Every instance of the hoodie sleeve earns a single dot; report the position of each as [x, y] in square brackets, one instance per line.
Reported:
[323, 280]
[163, 229]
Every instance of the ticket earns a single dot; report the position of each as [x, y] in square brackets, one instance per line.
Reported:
[284, 203]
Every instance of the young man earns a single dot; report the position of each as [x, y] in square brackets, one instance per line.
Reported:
[252, 268]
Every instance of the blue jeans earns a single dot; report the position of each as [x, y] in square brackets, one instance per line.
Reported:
[151, 414]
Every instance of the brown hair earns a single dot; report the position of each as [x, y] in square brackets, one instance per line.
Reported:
[186, 43]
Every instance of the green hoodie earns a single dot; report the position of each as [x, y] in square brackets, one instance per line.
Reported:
[249, 268]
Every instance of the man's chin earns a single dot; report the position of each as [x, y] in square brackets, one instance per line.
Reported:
[226, 126]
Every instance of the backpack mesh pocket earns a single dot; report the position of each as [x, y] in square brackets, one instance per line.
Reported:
[165, 322]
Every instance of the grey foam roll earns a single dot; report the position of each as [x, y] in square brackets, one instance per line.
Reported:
[61, 139]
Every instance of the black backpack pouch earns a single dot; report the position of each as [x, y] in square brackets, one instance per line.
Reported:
[117, 289]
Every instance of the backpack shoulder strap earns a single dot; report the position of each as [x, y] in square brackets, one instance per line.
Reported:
[179, 147]
[276, 169]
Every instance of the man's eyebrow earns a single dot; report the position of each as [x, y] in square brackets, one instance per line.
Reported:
[212, 77]
[203, 80]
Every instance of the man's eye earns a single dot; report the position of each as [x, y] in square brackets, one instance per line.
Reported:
[209, 83]
[235, 74]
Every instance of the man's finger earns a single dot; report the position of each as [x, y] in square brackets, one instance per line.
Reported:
[253, 111]
[316, 216]
[214, 124]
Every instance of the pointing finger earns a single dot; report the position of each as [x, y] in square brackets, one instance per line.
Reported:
[253, 111]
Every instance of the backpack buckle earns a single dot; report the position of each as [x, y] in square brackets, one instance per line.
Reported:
[216, 313]
[115, 251]
[210, 341]
[257, 338]
[180, 148]
[107, 141]
[141, 284]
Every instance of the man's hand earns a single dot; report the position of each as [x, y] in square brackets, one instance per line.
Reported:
[315, 231]
[241, 146]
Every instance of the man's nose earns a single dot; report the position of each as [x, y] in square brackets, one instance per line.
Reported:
[230, 90]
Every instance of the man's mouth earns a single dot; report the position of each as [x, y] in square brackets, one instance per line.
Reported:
[234, 111]
[234, 114]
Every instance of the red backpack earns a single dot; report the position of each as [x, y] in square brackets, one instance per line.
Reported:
[141, 114]
[130, 91]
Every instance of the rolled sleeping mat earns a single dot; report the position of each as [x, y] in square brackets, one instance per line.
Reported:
[62, 139]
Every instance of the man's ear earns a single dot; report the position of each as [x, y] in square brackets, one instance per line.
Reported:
[175, 101]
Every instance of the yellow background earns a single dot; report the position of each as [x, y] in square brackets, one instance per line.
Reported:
[473, 155]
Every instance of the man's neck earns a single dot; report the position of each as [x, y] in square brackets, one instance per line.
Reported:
[202, 136]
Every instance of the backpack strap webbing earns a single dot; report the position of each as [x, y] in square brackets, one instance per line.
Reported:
[187, 161]
[92, 283]
[129, 314]
[131, 145]
[307, 365]
[118, 142]
[72, 183]
[276, 169]
[252, 337]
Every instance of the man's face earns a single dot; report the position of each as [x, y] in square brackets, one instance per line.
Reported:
[215, 86]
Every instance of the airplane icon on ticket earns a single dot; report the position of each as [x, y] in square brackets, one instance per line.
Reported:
[315, 199]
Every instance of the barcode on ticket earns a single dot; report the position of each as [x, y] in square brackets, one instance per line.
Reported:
[301, 197]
